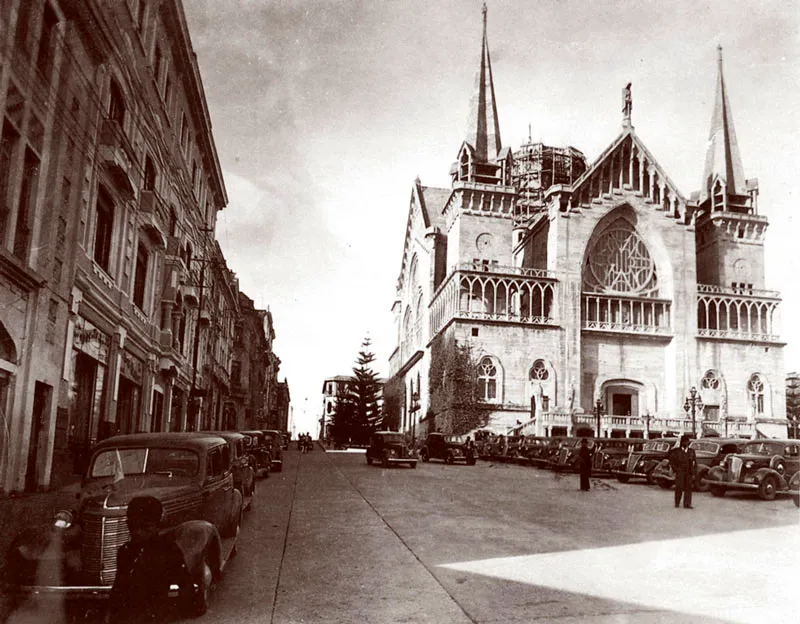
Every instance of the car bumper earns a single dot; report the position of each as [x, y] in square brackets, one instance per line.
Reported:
[733, 486]
[402, 460]
[59, 592]
[630, 475]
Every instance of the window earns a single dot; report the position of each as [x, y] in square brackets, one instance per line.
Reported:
[184, 131]
[104, 226]
[44, 56]
[149, 174]
[710, 381]
[30, 176]
[116, 104]
[475, 331]
[140, 279]
[619, 263]
[487, 380]
[755, 392]
[539, 371]
[8, 144]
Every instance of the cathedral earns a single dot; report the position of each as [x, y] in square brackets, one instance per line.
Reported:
[595, 298]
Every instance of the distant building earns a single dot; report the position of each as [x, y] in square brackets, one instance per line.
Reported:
[591, 288]
[331, 388]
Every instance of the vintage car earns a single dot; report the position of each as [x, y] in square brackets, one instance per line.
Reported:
[548, 452]
[513, 444]
[259, 452]
[286, 437]
[641, 462]
[244, 475]
[612, 453]
[709, 451]
[449, 448]
[75, 556]
[529, 447]
[388, 448]
[483, 443]
[568, 456]
[274, 441]
[794, 488]
[763, 466]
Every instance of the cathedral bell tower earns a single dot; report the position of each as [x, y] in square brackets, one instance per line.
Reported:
[729, 230]
[481, 178]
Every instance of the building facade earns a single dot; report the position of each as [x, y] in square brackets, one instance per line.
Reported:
[594, 298]
[118, 311]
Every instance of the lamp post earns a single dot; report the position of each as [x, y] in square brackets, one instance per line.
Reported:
[647, 425]
[689, 405]
[598, 408]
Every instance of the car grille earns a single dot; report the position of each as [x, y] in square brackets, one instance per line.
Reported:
[735, 469]
[597, 460]
[102, 538]
[562, 456]
[632, 461]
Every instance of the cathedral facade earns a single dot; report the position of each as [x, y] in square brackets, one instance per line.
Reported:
[594, 298]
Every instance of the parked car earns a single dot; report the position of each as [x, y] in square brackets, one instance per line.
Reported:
[794, 488]
[612, 453]
[763, 466]
[75, 557]
[568, 455]
[529, 448]
[388, 448]
[550, 450]
[641, 463]
[244, 474]
[260, 456]
[286, 437]
[273, 439]
[709, 451]
[448, 448]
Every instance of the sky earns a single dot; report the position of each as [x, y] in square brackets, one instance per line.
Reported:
[325, 111]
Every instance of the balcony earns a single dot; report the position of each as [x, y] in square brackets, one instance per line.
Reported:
[737, 313]
[117, 153]
[626, 315]
[494, 293]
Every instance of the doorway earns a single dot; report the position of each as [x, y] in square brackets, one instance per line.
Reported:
[41, 402]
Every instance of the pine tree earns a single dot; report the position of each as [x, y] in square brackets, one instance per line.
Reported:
[365, 388]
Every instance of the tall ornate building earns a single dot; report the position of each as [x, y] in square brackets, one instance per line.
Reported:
[117, 309]
[593, 297]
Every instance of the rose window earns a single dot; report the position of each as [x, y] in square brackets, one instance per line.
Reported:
[710, 381]
[619, 262]
[539, 371]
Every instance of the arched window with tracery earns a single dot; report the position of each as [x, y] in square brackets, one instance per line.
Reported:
[711, 393]
[488, 377]
[755, 395]
[539, 371]
[620, 263]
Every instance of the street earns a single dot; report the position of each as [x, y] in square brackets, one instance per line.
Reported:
[331, 539]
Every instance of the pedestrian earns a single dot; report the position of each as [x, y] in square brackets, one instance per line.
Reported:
[146, 567]
[585, 458]
[683, 461]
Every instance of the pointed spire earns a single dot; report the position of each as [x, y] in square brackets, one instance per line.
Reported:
[722, 152]
[483, 129]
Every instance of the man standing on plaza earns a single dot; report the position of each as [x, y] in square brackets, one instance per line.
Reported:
[684, 465]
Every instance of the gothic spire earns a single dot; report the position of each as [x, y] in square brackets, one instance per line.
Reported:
[723, 161]
[483, 129]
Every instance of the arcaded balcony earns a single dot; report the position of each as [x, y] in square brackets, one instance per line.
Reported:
[495, 293]
[737, 313]
[636, 315]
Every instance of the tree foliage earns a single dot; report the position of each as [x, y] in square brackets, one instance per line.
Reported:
[357, 412]
[455, 406]
[393, 391]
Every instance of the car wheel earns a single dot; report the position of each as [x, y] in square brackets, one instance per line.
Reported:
[369, 460]
[664, 484]
[768, 488]
[623, 478]
[199, 600]
[778, 465]
[449, 459]
[717, 490]
[385, 462]
[471, 461]
[700, 484]
[412, 464]
[424, 456]
[232, 530]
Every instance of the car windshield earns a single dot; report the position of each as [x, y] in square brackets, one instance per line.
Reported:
[706, 447]
[763, 448]
[135, 461]
[454, 439]
[657, 446]
[393, 438]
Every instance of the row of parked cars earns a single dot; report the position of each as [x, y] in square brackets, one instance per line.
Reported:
[204, 481]
[766, 467]
[390, 448]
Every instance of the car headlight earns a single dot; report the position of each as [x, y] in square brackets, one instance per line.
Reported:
[748, 464]
[63, 519]
[640, 464]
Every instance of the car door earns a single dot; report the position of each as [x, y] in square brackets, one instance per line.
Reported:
[218, 486]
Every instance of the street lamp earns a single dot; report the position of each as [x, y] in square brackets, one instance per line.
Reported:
[690, 405]
[647, 425]
[598, 408]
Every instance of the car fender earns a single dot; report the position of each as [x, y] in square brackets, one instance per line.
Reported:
[716, 474]
[663, 469]
[762, 473]
[196, 539]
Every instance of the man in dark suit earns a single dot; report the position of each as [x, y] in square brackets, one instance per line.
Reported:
[684, 464]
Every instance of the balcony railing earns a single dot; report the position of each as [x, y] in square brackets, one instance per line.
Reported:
[507, 294]
[737, 313]
[626, 314]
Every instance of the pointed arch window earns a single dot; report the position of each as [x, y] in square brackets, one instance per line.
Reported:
[755, 394]
[487, 380]
[620, 263]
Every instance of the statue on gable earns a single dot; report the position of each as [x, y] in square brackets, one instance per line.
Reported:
[627, 101]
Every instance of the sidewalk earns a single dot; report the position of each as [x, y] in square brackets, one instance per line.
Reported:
[23, 510]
